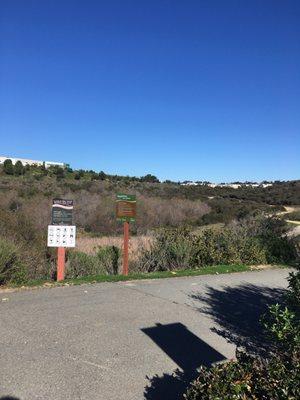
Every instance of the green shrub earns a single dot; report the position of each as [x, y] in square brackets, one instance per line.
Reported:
[171, 249]
[19, 169]
[228, 247]
[258, 240]
[8, 167]
[11, 268]
[249, 378]
[105, 261]
[109, 257]
[82, 264]
[272, 234]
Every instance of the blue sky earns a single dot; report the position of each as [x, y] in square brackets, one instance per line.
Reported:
[203, 90]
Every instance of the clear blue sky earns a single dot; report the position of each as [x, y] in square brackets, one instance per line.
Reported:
[206, 90]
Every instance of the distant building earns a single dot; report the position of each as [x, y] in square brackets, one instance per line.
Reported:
[26, 161]
[227, 185]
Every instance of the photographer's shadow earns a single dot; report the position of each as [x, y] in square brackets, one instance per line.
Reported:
[187, 350]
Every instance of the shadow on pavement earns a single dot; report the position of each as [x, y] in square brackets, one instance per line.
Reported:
[187, 351]
[237, 312]
[9, 398]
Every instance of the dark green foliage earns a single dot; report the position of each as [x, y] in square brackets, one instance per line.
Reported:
[149, 178]
[171, 249]
[258, 240]
[227, 247]
[59, 172]
[8, 167]
[249, 378]
[81, 264]
[109, 257]
[19, 169]
[15, 205]
[11, 268]
[94, 176]
[105, 261]
[79, 174]
[102, 176]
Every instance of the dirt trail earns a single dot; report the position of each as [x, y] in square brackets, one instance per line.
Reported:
[288, 209]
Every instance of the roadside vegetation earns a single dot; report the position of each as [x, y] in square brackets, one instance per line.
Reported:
[275, 375]
[178, 227]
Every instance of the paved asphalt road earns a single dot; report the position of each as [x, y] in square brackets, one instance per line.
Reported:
[123, 341]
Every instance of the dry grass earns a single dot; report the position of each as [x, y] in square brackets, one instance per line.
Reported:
[89, 245]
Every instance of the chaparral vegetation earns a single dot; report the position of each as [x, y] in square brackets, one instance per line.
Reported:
[177, 227]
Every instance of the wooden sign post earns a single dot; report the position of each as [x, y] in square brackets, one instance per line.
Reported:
[61, 258]
[126, 212]
[61, 233]
[126, 248]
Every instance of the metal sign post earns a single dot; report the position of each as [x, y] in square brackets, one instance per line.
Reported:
[126, 212]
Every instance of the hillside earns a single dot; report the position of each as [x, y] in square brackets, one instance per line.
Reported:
[30, 192]
[238, 234]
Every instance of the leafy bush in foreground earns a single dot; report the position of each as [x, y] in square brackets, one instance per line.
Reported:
[276, 377]
[249, 378]
[11, 268]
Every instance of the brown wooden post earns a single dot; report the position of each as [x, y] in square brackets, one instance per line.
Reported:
[126, 246]
[61, 255]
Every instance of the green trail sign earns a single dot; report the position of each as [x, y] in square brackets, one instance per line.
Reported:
[126, 207]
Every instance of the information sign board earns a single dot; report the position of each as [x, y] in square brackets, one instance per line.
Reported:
[126, 207]
[62, 212]
[61, 235]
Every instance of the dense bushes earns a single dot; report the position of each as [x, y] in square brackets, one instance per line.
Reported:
[11, 268]
[29, 243]
[170, 249]
[276, 377]
[105, 261]
[256, 240]
[249, 378]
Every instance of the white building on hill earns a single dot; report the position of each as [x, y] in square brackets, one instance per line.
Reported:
[26, 161]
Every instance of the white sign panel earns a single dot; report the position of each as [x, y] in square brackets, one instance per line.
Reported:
[61, 235]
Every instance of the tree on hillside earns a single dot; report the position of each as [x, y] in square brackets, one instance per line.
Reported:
[79, 174]
[59, 172]
[19, 169]
[102, 176]
[8, 167]
[149, 178]
[94, 176]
